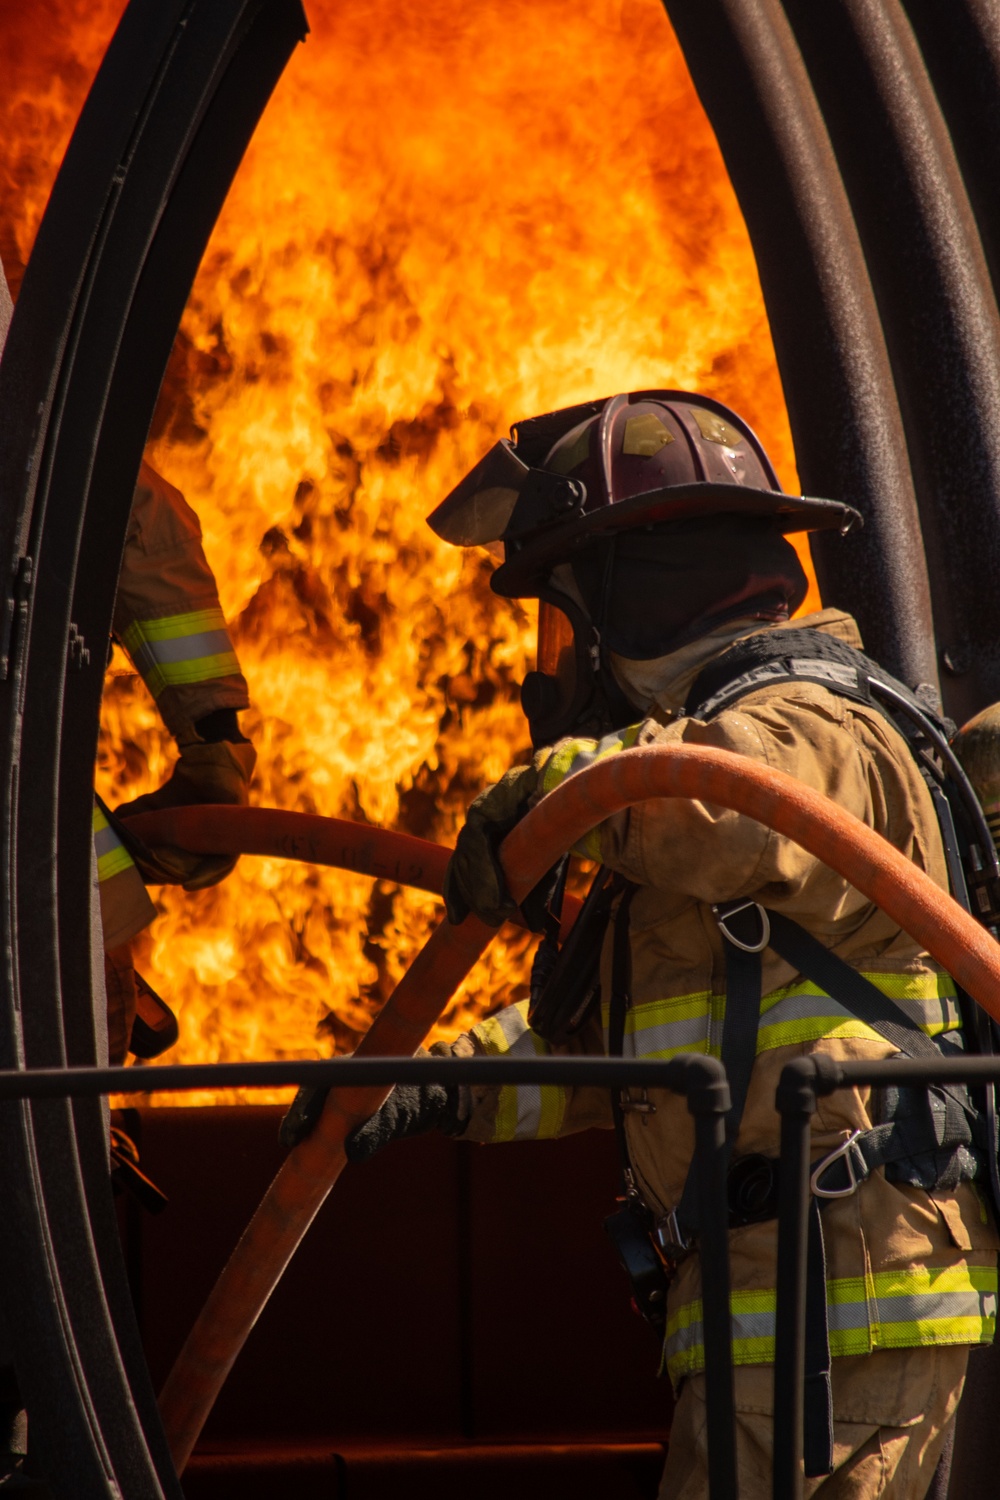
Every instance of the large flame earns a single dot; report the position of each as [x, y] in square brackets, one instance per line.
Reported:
[449, 218]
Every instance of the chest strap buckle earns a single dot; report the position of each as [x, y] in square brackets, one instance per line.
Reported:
[724, 913]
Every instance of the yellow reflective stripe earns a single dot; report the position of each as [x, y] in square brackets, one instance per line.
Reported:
[174, 627]
[177, 650]
[525, 1112]
[662, 1028]
[112, 856]
[589, 847]
[903, 1308]
[575, 755]
[798, 1012]
[791, 1015]
[560, 763]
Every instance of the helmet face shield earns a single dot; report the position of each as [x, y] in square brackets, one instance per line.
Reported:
[557, 694]
[555, 639]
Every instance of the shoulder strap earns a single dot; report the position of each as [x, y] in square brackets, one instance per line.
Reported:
[806, 655]
[747, 929]
[797, 655]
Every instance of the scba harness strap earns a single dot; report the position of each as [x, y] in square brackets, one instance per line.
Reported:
[931, 1138]
[929, 1146]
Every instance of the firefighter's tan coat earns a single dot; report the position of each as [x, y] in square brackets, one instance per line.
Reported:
[164, 574]
[685, 855]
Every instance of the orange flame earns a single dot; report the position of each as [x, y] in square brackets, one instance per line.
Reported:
[448, 219]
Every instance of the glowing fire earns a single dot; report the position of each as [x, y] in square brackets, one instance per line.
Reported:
[450, 217]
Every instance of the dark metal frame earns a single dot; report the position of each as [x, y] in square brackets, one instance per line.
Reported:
[701, 1080]
[802, 1083]
[160, 137]
[863, 139]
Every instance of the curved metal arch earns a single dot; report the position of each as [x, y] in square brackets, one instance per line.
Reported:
[846, 423]
[936, 303]
[159, 140]
[960, 43]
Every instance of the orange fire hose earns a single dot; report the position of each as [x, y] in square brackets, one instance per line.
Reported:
[719, 777]
[290, 835]
[360, 847]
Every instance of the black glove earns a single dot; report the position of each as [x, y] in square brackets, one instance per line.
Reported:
[411, 1109]
[474, 880]
[216, 771]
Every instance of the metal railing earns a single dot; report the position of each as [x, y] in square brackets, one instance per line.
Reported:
[802, 1083]
[701, 1080]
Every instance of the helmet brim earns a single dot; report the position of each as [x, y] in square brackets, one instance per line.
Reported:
[526, 569]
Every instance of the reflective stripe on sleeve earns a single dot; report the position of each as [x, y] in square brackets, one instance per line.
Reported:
[900, 1309]
[525, 1112]
[180, 649]
[575, 755]
[112, 856]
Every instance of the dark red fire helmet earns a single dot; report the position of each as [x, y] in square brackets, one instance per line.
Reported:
[641, 522]
[571, 477]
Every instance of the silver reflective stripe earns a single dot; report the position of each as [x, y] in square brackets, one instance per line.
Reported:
[926, 1307]
[836, 672]
[165, 653]
[690, 1034]
[938, 1012]
[529, 1096]
[750, 1325]
[105, 840]
[512, 1025]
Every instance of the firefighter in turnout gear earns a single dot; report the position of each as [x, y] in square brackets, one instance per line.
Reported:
[169, 620]
[653, 529]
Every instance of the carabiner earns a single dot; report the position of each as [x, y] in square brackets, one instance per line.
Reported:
[854, 1181]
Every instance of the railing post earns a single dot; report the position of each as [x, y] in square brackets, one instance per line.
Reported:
[796, 1103]
[708, 1100]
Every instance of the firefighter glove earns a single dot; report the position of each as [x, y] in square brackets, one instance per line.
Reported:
[204, 773]
[474, 880]
[411, 1109]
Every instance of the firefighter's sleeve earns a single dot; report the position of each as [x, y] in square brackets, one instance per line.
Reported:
[523, 1112]
[697, 849]
[125, 905]
[167, 612]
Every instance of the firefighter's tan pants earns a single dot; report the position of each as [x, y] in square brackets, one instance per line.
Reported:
[892, 1411]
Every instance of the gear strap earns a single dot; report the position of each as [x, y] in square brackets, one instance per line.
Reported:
[621, 999]
[747, 929]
